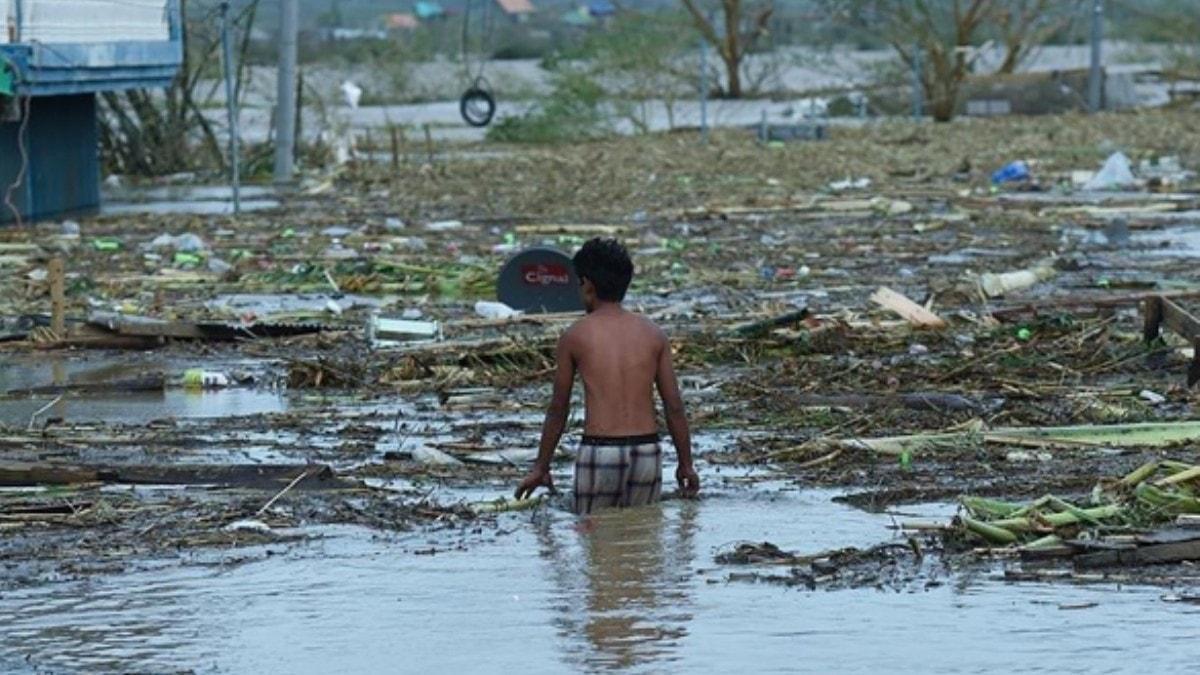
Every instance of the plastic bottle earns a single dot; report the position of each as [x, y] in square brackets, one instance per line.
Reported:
[495, 310]
[198, 378]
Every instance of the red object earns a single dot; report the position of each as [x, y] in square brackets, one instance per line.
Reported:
[546, 275]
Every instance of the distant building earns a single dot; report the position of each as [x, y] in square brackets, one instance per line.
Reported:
[352, 34]
[428, 10]
[516, 10]
[601, 9]
[55, 56]
[578, 17]
[401, 21]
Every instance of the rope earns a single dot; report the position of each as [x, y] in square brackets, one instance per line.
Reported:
[22, 149]
[487, 25]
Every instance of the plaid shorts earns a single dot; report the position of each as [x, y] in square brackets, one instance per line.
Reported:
[617, 472]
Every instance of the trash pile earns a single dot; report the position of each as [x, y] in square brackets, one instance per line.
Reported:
[876, 312]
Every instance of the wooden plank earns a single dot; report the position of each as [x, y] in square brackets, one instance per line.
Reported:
[1152, 312]
[1179, 320]
[1078, 302]
[909, 310]
[140, 326]
[764, 326]
[266, 476]
[58, 302]
[151, 382]
[1194, 367]
[1153, 554]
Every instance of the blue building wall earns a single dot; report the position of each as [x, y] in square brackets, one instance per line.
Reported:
[62, 163]
[60, 81]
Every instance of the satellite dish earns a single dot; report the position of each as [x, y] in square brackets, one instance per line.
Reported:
[538, 280]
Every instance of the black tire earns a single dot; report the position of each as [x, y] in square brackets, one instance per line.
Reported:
[477, 107]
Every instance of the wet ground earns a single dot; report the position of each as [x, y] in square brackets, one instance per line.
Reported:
[634, 590]
[322, 512]
[129, 407]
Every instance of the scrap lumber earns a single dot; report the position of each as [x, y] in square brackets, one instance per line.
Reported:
[151, 382]
[932, 400]
[140, 326]
[764, 326]
[148, 329]
[909, 310]
[1153, 554]
[1160, 311]
[1075, 302]
[30, 474]
[58, 303]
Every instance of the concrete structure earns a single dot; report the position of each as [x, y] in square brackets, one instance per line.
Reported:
[55, 55]
[516, 10]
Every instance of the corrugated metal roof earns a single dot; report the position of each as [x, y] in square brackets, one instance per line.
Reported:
[516, 6]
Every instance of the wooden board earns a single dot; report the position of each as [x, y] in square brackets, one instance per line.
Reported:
[909, 310]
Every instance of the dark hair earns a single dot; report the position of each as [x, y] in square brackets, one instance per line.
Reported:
[605, 263]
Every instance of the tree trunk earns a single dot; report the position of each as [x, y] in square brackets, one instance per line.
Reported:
[1012, 57]
[733, 76]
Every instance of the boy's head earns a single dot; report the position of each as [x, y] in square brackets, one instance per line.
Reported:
[604, 270]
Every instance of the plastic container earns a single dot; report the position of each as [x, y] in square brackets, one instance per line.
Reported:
[1012, 172]
[198, 378]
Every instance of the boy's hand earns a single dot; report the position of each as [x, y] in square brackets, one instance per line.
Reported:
[688, 479]
[538, 477]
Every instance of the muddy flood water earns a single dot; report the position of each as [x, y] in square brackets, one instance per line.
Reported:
[546, 592]
[636, 590]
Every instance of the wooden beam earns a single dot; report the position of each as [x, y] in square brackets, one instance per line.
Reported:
[1177, 319]
[58, 302]
[1152, 311]
[1159, 311]
[907, 309]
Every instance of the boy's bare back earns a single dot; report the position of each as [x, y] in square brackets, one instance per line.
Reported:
[618, 355]
[621, 358]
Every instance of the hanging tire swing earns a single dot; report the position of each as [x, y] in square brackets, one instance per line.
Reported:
[477, 105]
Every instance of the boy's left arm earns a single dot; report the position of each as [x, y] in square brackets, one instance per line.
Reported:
[556, 419]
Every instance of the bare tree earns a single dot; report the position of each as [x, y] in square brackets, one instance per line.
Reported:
[1022, 25]
[744, 24]
[941, 38]
[153, 133]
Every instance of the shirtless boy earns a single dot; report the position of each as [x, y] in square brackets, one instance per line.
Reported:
[621, 356]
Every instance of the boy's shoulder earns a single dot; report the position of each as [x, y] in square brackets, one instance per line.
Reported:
[593, 324]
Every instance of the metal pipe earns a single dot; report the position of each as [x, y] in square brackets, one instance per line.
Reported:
[704, 86]
[1095, 76]
[918, 97]
[285, 99]
[235, 177]
[18, 17]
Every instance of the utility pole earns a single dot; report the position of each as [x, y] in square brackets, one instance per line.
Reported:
[235, 177]
[918, 96]
[704, 86]
[285, 97]
[1095, 76]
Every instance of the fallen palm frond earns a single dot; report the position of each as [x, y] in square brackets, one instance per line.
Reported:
[1150, 434]
[504, 505]
[1150, 496]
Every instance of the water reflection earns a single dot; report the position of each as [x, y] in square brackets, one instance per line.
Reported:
[625, 604]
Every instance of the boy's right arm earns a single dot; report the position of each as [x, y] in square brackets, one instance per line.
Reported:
[677, 424]
[556, 419]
